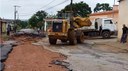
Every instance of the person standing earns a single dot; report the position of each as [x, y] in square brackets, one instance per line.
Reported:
[124, 34]
[14, 29]
[8, 29]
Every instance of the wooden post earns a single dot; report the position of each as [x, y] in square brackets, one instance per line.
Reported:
[0, 28]
[0, 31]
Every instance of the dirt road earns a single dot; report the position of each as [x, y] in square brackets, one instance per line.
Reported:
[28, 57]
[91, 56]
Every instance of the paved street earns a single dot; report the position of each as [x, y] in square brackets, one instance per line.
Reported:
[91, 56]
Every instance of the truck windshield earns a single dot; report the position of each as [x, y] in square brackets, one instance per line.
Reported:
[107, 21]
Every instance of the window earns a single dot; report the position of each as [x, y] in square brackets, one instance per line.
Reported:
[57, 26]
[108, 22]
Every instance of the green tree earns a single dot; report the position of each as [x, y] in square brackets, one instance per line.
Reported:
[102, 7]
[37, 20]
[82, 9]
[23, 24]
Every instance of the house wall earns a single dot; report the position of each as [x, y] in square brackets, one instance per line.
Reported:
[4, 27]
[114, 16]
[0, 27]
[97, 16]
[110, 15]
[123, 16]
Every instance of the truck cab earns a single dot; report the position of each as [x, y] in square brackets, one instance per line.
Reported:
[101, 27]
[105, 26]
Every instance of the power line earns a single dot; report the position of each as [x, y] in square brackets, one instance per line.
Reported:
[39, 8]
[49, 7]
[47, 4]
[56, 5]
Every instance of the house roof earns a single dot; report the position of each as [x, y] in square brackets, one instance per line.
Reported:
[104, 13]
[2, 21]
[6, 20]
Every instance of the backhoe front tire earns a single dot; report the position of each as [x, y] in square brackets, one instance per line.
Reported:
[80, 38]
[72, 37]
[52, 41]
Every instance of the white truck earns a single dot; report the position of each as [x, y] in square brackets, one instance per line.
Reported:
[101, 27]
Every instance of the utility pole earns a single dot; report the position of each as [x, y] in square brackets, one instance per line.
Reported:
[15, 13]
[71, 16]
[114, 2]
[71, 5]
[113, 8]
[15, 16]
[71, 8]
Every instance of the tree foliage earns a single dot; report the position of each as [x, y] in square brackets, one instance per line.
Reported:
[102, 7]
[82, 9]
[37, 20]
[23, 24]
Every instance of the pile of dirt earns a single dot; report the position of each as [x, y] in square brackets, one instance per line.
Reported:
[28, 57]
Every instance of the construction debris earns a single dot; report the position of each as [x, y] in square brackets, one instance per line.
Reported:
[61, 63]
[1, 66]
[11, 42]
[30, 32]
[4, 50]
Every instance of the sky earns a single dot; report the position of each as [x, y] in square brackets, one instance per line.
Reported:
[28, 7]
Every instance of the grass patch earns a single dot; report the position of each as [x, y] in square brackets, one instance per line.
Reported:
[5, 37]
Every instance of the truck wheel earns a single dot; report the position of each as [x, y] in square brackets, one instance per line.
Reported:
[80, 38]
[52, 41]
[106, 34]
[72, 37]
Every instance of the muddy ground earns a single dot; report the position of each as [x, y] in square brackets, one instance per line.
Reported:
[95, 54]
[28, 57]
